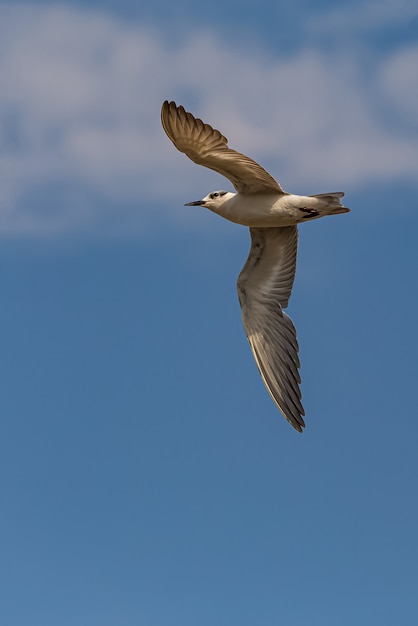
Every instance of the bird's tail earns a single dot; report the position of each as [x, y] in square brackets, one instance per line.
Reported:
[332, 201]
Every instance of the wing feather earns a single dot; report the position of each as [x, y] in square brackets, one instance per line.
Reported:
[264, 287]
[207, 146]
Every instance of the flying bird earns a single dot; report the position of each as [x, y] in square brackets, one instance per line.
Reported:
[266, 280]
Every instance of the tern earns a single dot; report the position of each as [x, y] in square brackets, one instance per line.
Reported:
[266, 280]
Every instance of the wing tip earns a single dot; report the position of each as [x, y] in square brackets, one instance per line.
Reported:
[168, 106]
[170, 114]
[298, 425]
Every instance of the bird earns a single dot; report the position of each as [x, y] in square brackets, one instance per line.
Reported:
[266, 280]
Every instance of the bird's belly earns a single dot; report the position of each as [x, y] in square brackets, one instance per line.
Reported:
[261, 211]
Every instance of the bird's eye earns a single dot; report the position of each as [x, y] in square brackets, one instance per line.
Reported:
[215, 194]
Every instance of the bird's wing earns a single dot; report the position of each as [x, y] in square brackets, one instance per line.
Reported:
[206, 146]
[264, 287]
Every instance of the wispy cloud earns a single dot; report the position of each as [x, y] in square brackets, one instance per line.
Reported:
[398, 82]
[365, 16]
[80, 94]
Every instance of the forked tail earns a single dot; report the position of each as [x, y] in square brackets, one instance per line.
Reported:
[332, 200]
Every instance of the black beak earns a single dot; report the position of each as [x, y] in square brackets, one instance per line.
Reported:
[197, 203]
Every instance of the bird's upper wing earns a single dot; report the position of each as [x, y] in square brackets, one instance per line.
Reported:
[264, 287]
[206, 146]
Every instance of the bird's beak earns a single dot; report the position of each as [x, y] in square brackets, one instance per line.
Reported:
[197, 203]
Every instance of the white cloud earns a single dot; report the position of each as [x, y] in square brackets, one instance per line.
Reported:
[399, 83]
[80, 94]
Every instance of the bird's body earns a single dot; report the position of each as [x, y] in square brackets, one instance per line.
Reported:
[273, 210]
[266, 280]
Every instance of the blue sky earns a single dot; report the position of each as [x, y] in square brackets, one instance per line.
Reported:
[146, 476]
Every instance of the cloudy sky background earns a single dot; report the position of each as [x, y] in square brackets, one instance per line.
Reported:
[147, 478]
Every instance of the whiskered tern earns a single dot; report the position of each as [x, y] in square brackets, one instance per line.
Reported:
[266, 280]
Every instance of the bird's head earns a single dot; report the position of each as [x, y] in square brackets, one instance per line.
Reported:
[213, 200]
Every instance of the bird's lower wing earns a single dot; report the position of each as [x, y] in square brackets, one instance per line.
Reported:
[264, 287]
